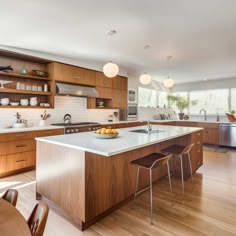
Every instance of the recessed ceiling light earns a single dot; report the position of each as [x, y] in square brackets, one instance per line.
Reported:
[111, 32]
[147, 47]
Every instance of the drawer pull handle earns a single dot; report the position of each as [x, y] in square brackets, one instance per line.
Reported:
[21, 146]
[198, 150]
[198, 134]
[198, 163]
[48, 132]
[198, 142]
[20, 161]
[20, 135]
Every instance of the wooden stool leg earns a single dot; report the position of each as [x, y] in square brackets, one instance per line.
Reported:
[151, 194]
[182, 173]
[191, 170]
[137, 178]
[168, 169]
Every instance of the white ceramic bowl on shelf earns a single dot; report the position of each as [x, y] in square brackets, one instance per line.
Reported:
[24, 102]
[5, 101]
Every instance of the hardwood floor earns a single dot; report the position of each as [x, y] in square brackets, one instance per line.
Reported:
[210, 209]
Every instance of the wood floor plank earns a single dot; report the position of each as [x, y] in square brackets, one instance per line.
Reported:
[209, 209]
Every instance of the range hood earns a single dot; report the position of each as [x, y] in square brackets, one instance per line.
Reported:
[75, 90]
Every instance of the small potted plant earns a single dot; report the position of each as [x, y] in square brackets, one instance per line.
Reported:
[181, 103]
[231, 116]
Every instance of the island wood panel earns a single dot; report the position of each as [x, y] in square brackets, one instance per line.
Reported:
[97, 184]
[60, 178]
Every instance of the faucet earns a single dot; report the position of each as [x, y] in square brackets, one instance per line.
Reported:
[204, 111]
[149, 126]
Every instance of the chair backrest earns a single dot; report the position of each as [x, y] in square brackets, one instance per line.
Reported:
[11, 196]
[38, 219]
[188, 149]
[162, 161]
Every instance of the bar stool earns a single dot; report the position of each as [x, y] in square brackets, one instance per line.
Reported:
[150, 162]
[179, 150]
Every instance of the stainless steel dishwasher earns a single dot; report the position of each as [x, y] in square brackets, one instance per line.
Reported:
[228, 135]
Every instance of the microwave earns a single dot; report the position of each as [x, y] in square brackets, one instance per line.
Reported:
[132, 111]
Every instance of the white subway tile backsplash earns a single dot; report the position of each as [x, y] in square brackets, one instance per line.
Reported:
[75, 106]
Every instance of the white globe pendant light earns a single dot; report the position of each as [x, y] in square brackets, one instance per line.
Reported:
[168, 83]
[145, 79]
[110, 70]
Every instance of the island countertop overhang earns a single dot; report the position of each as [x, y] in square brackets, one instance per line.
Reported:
[126, 141]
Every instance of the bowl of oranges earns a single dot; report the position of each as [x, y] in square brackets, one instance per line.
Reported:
[106, 133]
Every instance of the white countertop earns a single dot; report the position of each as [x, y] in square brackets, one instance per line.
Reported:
[33, 128]
[126, 140]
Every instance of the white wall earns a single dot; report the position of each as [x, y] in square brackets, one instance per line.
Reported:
[75, 106]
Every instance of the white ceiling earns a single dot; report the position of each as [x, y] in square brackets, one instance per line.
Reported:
[199, 34]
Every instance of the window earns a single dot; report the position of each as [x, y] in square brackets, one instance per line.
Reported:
[162, 99]
[147, 97]
[233, 99]
[211, 100]
[179, 94]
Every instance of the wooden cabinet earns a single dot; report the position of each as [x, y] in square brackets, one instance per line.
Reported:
[210, 133]
[72, 74]
[102, 80]
[120, 82]
[119, 98]
[17, 150]
[104, 92]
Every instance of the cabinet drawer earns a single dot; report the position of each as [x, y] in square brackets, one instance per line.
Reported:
[197, 137]
[20, 160]
[15, 136]
[49, 132]
[197, 159]
[17, 146]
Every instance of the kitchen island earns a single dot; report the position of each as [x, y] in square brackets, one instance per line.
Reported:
[86, 178]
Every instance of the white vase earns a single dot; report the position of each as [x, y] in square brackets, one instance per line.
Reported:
[42, 123]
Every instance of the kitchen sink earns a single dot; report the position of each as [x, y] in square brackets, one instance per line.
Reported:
[144, 131]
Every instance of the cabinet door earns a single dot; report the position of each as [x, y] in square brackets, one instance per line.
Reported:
[120, 82]
[104, 92]
[115, 98]
[102, 80]
[212, 136]
[85, 76]
[3, 164]
[77, 75]
[123, 99]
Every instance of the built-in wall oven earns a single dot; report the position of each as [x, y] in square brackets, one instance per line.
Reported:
[132, 111]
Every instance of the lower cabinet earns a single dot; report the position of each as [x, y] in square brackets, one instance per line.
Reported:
[18, 150]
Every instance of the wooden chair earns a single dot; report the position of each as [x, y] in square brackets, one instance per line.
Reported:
[38, 219]
[11, 196]
[149, 162]
[179, 150]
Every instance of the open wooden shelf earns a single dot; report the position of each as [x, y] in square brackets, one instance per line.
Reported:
[41, 107]
[5, 90]
[9, 74]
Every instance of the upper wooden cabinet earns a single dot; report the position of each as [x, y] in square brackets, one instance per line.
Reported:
[102, 80]
[72, 74]
[120, 82]
[119, 98]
